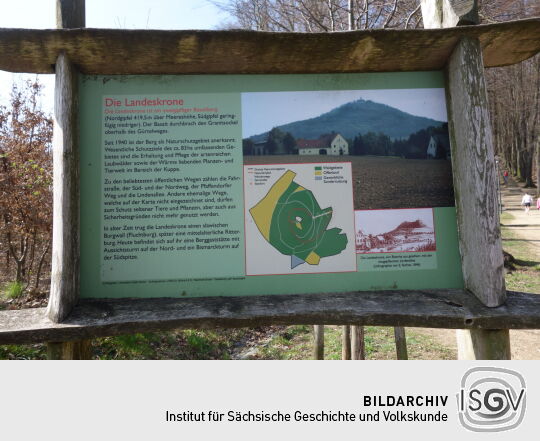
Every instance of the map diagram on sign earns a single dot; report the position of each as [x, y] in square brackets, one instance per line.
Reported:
[292, 221]
[289, 217]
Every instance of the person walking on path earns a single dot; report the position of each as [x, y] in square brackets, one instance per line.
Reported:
[505, 176]
[527, 201]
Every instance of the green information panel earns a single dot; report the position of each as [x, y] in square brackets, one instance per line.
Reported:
[265, 184]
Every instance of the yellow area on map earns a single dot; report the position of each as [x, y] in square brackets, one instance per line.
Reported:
[298, 225]
[263, 211]
[300, 188]
[313, 258]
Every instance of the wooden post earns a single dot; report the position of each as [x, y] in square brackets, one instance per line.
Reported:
[476, 196]
[346, 342]
[70, 14]
[475, 177]
[65, 244]
[358, 351]
[473, 166]
[70, 350]
[318, 342]
[480, 344]
[401, 343]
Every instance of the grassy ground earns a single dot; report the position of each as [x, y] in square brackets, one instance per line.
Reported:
[295, 343]
[526, 276]
[272, 343]
[177, 345]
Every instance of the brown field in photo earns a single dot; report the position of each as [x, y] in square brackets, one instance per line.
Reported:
[386, 182]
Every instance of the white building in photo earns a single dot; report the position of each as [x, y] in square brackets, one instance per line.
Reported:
[438, 147]
[333, 144]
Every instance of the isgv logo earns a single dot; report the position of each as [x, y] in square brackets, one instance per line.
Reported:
[491, 399]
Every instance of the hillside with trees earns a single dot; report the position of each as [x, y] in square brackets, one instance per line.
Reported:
[360, 116]
[412, 147]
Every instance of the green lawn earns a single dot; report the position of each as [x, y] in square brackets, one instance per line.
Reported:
[295, 343]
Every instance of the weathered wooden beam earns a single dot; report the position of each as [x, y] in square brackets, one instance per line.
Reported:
[64, 292]
[473, 172]
[318, 342]
[110, 52]
[455, 309]
[449, 13]
[473, 166]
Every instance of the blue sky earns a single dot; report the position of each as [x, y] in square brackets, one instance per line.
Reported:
[264, 110]
[126, 14]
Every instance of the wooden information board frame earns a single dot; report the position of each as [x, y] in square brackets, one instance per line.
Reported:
[483, 306]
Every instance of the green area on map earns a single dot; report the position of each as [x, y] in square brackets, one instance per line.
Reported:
[291, 220]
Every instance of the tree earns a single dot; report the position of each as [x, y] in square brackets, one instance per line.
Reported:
[247, 146]
[359, 147]
[289, 143]
[25, 182]
[321, 15]
[514, 94]
[275, 143]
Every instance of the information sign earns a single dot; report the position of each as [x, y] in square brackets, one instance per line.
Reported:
[265, 184]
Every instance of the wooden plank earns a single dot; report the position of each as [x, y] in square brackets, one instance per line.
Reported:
[346, 342]
[110, 52]
[318, 342]
[454, 309]
[358, 351]
[474, 173]
[401, 343]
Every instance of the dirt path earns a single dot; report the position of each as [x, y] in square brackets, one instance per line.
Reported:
[526, 226]
[525, 345]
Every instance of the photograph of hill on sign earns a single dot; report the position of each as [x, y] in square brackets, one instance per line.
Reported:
[395, 139]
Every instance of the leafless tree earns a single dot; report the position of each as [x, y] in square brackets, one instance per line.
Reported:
[514, 94]
[513, 90]
[321, 15]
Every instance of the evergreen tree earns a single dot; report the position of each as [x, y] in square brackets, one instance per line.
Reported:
[289, 143]
[247, 146]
